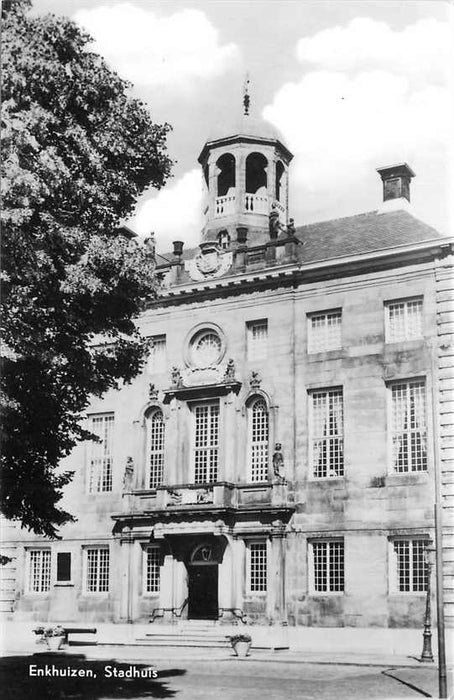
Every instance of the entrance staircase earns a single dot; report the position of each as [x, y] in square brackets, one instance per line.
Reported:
[187, 633]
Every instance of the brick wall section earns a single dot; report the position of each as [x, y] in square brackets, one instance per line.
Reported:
[445, 328]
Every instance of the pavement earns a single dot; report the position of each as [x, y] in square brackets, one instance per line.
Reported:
[195, 674]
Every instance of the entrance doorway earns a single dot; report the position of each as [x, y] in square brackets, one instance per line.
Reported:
[203, 592]
[203, 584]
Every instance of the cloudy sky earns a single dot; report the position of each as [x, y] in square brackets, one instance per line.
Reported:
[351, 85]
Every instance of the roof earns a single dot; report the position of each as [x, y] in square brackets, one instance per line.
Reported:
[350, 235]
[362, 233]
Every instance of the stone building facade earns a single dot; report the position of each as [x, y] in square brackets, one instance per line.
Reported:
[275, 459]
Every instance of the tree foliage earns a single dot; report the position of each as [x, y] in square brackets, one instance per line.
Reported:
[77, 152]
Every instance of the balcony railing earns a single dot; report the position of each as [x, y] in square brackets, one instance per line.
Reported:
[225, 205]
[256, 204]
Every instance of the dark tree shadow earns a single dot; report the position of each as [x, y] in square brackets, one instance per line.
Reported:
[17, 683]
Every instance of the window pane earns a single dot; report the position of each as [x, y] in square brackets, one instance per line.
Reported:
[403, 320]
[258, 430]
[153, 570]
[257, 340]
[156, 448]
[412, 570]
[101, 457]
[324, 331]
[328, 562]
[258, 567]
[97, 570]
[206, 443]
[158, 355]
[327, 426]
[39, 571]
[408, 426]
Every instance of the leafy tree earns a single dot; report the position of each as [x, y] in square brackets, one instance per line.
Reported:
[77, 152]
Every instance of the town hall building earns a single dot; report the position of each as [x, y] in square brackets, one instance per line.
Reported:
[275, 461]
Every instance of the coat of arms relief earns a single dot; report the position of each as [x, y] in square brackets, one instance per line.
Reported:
[210, 262]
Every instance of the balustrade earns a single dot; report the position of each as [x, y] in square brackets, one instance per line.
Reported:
[256, 203]
[225, 205]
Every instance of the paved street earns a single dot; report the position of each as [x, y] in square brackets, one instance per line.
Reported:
[219, 678]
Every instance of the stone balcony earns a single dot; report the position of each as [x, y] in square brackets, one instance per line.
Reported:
[219, 495]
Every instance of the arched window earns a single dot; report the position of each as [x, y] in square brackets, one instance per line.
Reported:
[226, 175]
[280, 170]
[155, 447]
[256, 176]
[258, 439]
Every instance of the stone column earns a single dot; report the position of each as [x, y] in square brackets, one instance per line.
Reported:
[227, 444]
[276, 598]
[171, 445]
[126, 559]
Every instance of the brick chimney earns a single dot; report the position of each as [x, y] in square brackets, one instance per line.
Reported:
[396, 187]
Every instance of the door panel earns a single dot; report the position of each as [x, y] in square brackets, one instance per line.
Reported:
[203, 592]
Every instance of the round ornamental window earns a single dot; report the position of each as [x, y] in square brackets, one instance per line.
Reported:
[206, 349]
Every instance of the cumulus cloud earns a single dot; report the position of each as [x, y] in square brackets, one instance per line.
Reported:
[159, 51]
[175, 213]
[368, 97]
[421, 49]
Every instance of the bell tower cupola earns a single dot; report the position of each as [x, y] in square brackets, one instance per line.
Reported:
[246, 177]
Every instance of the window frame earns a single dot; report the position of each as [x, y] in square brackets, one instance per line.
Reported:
[146, 548]
[329, 541]
[85, 550]
[251, 343]
[266, 548]
[193, 406]
[406, 301]
[392, 471]
[312, 438]
[312, 347]
[149, 417]
[157, 364]
[28, 577]
[90, 471]
[393, 569]
[252, 401]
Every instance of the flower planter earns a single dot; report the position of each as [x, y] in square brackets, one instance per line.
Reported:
[54, 643]
[241, 649]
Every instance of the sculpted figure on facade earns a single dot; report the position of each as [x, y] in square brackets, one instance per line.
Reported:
[177, 379]
[278, 463]
[229, 375]
[128, 476]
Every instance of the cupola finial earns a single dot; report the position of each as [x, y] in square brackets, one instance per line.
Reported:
[246, 97]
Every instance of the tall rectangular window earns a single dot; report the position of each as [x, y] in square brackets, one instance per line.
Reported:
[324, 331]
[328, 566]
[155, 436]
[152, 570]
[97, 569]
[101, 453]
[39, 561]
[258, 567]
[158, 354]
[403, 320]
[258, 424]
[410, 570]
[327, 430]
[408, 426]
[257, 339]
[206, 442]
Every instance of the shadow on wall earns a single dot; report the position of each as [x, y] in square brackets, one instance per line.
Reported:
[18, 683]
